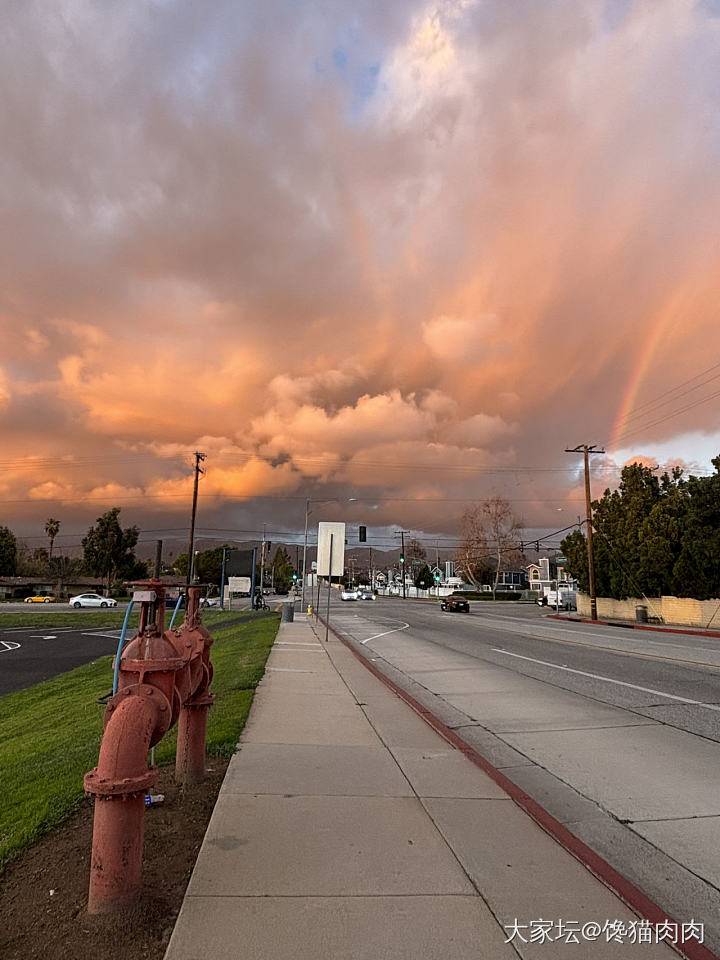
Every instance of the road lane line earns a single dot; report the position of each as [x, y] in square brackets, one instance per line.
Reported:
[621, 683]
[394, 630]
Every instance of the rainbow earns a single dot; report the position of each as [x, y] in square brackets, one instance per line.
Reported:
[647, 354]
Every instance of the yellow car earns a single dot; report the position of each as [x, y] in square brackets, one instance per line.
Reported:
[40, 600]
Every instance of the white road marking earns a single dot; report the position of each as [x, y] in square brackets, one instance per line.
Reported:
[6, 645]
[620, 683]
[386, 632]
[50, 637]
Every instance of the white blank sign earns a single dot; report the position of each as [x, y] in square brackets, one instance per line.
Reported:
[325, 530]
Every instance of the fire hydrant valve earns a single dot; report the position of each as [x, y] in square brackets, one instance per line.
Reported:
[163, 677]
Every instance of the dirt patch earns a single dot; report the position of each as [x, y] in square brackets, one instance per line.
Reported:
[43, 895]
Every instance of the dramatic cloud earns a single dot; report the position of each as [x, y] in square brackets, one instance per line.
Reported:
[405, 253]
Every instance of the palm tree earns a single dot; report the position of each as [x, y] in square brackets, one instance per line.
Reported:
[52, 528]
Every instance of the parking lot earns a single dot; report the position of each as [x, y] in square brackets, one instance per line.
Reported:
[31, 654]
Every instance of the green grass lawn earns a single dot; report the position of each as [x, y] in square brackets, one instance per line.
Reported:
[52, 731]
[61, 616]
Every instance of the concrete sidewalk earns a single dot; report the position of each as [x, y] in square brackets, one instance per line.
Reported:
[347, 828]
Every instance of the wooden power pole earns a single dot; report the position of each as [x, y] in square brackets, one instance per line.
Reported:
[586, 451]
[199, 457]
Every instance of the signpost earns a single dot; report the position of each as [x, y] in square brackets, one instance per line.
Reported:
[330, 558]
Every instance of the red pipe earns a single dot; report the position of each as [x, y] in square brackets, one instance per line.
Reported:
[162, 675]
[190, 755]
[119, 783]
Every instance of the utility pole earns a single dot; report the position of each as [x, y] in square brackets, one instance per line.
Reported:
[586, 451]
[402, 563]
[262, 565]
[199, 457]
[222, 580]
[158, 559]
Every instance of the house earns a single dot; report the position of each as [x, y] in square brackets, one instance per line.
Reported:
[546, 574]
[512, 580]
[17, 588]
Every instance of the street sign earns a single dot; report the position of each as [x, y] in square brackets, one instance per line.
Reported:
[239, 585]
[337, 532]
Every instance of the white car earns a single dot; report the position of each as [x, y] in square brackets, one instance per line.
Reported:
[348, 594]
[91, 600]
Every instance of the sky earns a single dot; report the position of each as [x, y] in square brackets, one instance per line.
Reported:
[400, 254]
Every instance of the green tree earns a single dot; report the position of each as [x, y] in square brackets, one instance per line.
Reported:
[640, 531]
[574, 547]
[282, 570]
[52, 528]
[423, 578]
[208, 564]
[31, 563]
[697, 568]
[621, 569]
[8, 552]
[108, 550]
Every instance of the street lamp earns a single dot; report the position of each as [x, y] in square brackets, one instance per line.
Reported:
[308, 511]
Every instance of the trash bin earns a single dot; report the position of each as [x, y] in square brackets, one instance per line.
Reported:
[641, 614]
[287, 613]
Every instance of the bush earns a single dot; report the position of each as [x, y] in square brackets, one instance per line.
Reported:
[501, 595]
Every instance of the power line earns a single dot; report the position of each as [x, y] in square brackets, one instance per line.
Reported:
[626, 435]
[660, 402]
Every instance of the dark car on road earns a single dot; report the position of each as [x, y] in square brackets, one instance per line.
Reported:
[454, 605]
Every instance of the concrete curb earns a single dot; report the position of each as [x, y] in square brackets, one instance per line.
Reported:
[646, 908]
[628, 625]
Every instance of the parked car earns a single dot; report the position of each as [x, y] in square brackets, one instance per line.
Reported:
[454, 605]
[39, 599]
[91, 600]
[567, 599]
[347, 594]
[367, 595]
[207, 602]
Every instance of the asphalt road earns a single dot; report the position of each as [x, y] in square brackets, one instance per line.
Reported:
[31, 654]
[671, 678]
[613, 731]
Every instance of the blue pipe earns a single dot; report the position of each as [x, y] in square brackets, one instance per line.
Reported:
[121, 643]
[177, 607]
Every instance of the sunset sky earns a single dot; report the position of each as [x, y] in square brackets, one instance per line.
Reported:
[389, 250]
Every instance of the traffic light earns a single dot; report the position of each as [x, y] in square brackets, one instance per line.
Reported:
[402, 559]
[437, 578]
[294, 576]
[362, 534]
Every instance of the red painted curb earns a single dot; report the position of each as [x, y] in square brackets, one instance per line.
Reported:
[691, 631]
[641, 904]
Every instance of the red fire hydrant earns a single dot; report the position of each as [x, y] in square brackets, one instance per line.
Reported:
[162, 675]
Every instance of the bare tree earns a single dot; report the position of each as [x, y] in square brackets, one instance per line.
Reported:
[491, 541]
[505, 534]
[472, 558]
